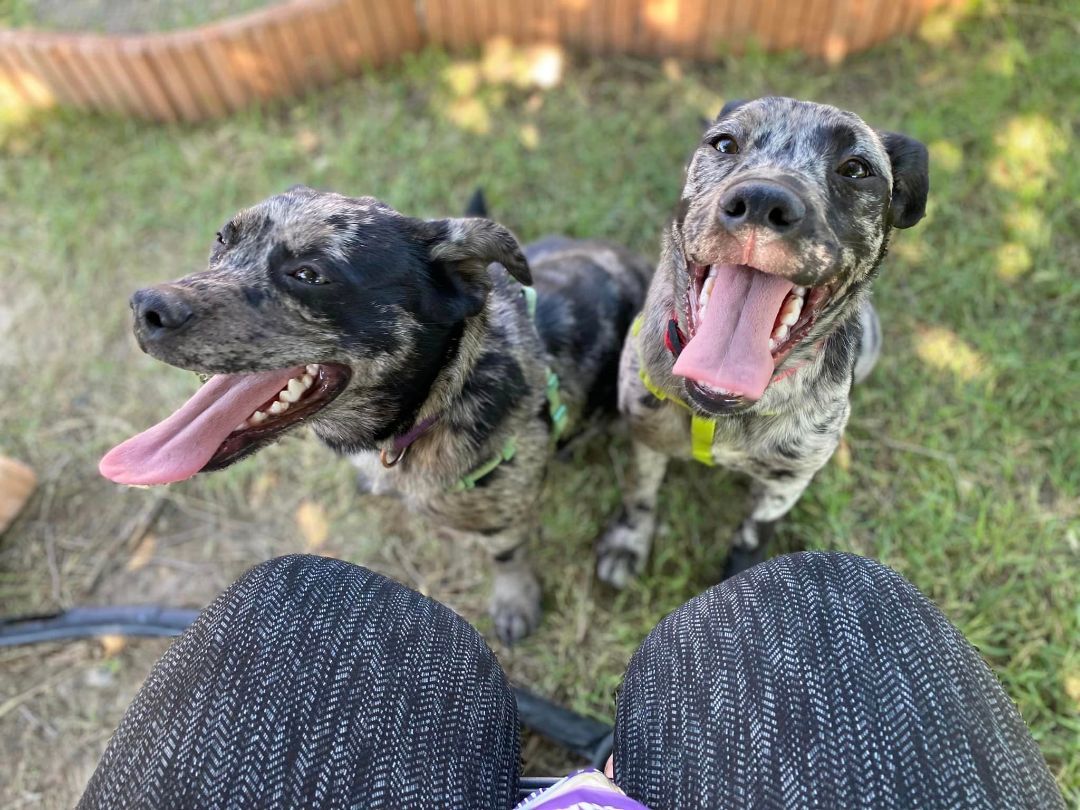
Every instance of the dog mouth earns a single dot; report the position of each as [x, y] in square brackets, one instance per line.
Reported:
[229, 417]
[743, 323]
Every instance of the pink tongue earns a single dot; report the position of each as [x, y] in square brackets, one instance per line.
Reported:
[182, 445]
[731, 347]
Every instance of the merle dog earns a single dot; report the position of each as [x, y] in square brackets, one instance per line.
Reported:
[758, 318]
[407, 345]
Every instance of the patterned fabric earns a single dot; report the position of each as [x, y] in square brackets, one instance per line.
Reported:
[314, 683]
[814, 680]
[584, 790]
[827, 681]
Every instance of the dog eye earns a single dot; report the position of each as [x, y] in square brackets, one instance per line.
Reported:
[308, 275]
[725, 144]
[220, 238]
[854, 168]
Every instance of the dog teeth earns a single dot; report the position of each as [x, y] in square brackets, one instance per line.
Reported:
[773, 344]
[799, 291]
[780, 333]
[712, 389]
[706, 289]
[293, 391]
[789, 313]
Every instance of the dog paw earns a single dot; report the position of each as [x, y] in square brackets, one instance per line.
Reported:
[514, 619]
[618, 566]
[515, 606]
[621, 554]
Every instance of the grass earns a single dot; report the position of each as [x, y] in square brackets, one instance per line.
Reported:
[119, 16]
[959, 468]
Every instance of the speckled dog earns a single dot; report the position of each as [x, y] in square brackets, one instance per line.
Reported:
[758, 318]
[394, 339]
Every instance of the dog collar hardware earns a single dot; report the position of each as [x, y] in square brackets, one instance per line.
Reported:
[401, 444]
[389, 462]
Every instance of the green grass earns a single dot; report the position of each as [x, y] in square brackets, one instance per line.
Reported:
[119, 16]
[960, 468]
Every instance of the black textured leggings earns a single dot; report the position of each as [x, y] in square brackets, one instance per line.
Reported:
[813, 680]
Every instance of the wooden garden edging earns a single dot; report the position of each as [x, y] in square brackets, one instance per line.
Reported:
[289, 47]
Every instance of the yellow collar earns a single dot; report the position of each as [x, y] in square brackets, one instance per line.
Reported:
[702, 430]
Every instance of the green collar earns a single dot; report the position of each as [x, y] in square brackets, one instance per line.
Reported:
[556, 412]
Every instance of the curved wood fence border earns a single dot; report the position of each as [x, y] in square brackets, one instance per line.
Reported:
[289, 47]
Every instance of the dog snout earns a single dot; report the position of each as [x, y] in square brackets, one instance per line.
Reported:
[762, 204]
[160, 311]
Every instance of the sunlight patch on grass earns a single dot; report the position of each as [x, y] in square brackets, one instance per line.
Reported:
[462, 78]
[503, 62]
[946, 156]
[15, 111]
[1072, 689]
[312, 523]
[308, 141]
[673, 70]
[939, 26]
[944, 350]
[471, 114]
[529, 136]
[1013, 261]
[1026, 158]
[1027, 224]
[1004, 58]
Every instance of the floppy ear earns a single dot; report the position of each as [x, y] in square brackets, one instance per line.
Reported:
[911, 178]
[730, 107]
[473, 243]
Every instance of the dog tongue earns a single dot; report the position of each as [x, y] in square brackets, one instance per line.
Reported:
[731, 347]
[180, 446]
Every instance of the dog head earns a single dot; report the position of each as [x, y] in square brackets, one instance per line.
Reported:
[784, 219]
[316, 308]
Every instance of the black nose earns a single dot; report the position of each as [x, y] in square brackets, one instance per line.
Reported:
[159, 311]
[769, 205]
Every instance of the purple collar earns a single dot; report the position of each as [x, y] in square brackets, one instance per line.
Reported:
[402, 443]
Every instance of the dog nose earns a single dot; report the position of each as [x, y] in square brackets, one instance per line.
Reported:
[769, 205]
[160, 311]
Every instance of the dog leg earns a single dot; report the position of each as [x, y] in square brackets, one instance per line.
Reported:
[773, 498]
[515, 597]
[622, 551]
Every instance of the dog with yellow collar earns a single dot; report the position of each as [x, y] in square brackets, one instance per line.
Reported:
[758, 318]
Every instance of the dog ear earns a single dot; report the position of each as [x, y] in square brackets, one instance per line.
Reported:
[911, 178]
[730, 107]
[472, 243]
